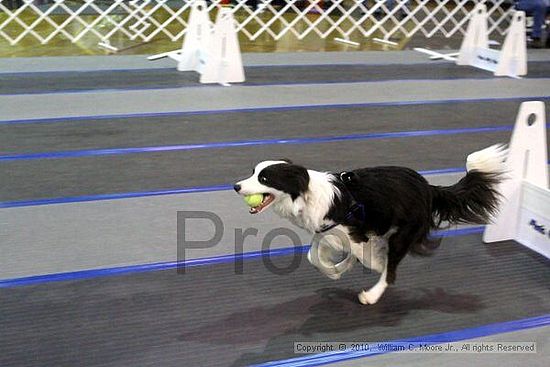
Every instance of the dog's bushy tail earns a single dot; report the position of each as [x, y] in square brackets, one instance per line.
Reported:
[474, 199]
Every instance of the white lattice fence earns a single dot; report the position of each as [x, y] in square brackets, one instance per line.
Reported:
[144, 20]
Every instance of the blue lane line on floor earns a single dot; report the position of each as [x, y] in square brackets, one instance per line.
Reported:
[250, 84]
[57, 73]
[120, 270]
[172, 68]
[248, 143]
[431, 339]
[122, 195]
[140, 194]
[50, 120]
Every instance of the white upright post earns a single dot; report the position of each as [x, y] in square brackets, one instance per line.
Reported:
[476, 36]
[224, 64]
[513, 56]
[527, 161]
[194, 51]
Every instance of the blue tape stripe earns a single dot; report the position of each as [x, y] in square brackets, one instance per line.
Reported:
[57, 73]
[432, 339]
[247, 143]
[459, 231]
[123, 195]
[442, 171]
[267, 109]
[249, 84]
[185, 190]
[138, 194]
[94, 273]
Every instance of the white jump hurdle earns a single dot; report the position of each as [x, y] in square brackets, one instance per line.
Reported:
[525, 211]
[211, 50]
[510, 61]
[224, 64]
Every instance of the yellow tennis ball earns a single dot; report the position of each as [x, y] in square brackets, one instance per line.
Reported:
[254, 200]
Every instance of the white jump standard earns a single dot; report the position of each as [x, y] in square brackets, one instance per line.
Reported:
[525, 211]
[212, 50]
[510, 61]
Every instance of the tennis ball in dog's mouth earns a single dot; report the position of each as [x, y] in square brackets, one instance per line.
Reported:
[254, 200]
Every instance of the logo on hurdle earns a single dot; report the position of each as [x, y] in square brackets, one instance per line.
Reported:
[212, 50]
[511, 61]
[524, 214]
[538, 227]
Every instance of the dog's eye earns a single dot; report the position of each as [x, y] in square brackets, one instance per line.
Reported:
[263, 179]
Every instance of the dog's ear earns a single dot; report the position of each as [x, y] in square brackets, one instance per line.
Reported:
[290, 178]
[348, 177]
[297, 179]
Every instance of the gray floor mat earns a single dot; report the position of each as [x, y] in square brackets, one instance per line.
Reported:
[23, 83]
[27, 180]
[43, 178]
[211, 316]
[191, 128]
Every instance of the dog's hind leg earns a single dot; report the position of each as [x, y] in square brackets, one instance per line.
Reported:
[378, 261]
[399, 246]
[372, 296]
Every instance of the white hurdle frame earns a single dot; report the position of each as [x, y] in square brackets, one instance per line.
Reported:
[511, 61]
[524, 213]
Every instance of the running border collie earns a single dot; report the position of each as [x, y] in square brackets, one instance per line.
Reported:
[384, 211]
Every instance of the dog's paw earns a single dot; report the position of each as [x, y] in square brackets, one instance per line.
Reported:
[369, 297]
[334, 276]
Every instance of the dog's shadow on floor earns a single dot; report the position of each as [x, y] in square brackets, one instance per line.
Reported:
[324, 315]
[338, 314]
[342, 304]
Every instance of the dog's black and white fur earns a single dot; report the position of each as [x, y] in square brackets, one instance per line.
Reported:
[398, 206]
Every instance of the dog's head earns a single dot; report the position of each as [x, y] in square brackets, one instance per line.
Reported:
[276, 181]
